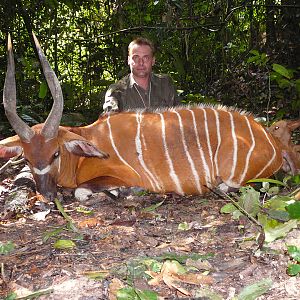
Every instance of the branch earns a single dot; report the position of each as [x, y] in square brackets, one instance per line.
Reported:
[11, 162]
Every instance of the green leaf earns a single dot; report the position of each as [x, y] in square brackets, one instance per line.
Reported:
[52, 233]
[147, 18]
[183, 226]
[129, 293]
[153, 207]
[296, 178]
[178, 63]
[294, 252]
[254, 52]
[153, 265]
[273, 229]
[69, 3]
[97, 275]
[64, 244]
[84, 211]
[206, 293]
[71, 225]
[274, 190]
[147, 295]
[282, 70]
[278, 202]
[260, 180]
[249, 200]
[126, 293]
[294, 210]
[182, 258]
[228, 208]
[293, 269]
[52, 3]
[255, 290]
[11, 296]
[297, 82]
[43, 90]
[283, 83]
[237, 214]
[252, 59]
[279, 215]
[6, 248]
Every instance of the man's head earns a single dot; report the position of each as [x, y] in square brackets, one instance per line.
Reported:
[141, 57]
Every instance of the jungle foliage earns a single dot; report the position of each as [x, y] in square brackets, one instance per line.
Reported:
[234, 52]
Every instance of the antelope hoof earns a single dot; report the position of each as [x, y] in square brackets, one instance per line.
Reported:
[83, 194]
[226, 188]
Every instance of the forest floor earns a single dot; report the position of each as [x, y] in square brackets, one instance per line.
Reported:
[178, 247]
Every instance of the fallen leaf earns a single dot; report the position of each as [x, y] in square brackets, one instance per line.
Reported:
[96, 275]
[114, 286]
[90, 223]
[40, 216]
[64, 244]
[196, 279]
[255, 290]
[179, 245]
[199, 264]
[173, 273]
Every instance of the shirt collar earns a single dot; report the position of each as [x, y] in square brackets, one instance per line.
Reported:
[132, 81]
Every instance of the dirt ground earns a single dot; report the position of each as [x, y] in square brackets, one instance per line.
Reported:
[115, 238]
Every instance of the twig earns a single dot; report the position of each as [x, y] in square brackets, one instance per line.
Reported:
[293, 193]
[11, 162]
[242, 210]
[37, 294]
[65, 215]
[225, 195]
[3, 273]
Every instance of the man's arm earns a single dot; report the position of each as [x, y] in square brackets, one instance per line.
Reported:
[111, 102]
[173, 96]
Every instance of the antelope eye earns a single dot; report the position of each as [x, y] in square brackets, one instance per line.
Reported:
[56, 154]
[276, 127]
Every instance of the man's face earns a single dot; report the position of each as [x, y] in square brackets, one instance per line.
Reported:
[141, 60]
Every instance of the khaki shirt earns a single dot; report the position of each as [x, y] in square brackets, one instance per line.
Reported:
[126, 94]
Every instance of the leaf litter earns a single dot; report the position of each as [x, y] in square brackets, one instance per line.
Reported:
[143, 247]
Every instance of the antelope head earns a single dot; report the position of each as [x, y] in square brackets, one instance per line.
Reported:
[42, 145]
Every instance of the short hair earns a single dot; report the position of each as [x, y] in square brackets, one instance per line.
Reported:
[141, 41]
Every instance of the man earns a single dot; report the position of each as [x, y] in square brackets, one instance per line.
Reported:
[141, 88]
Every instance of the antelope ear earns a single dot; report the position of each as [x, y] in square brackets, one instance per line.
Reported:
[10, 151]
[84, 148]
[294, 124]
[10, 147]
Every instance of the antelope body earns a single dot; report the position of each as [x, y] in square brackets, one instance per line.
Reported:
[186, 150]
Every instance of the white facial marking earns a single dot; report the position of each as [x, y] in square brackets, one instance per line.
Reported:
[59, 162]
[41, 171]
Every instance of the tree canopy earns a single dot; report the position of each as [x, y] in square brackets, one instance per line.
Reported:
[239, 53]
